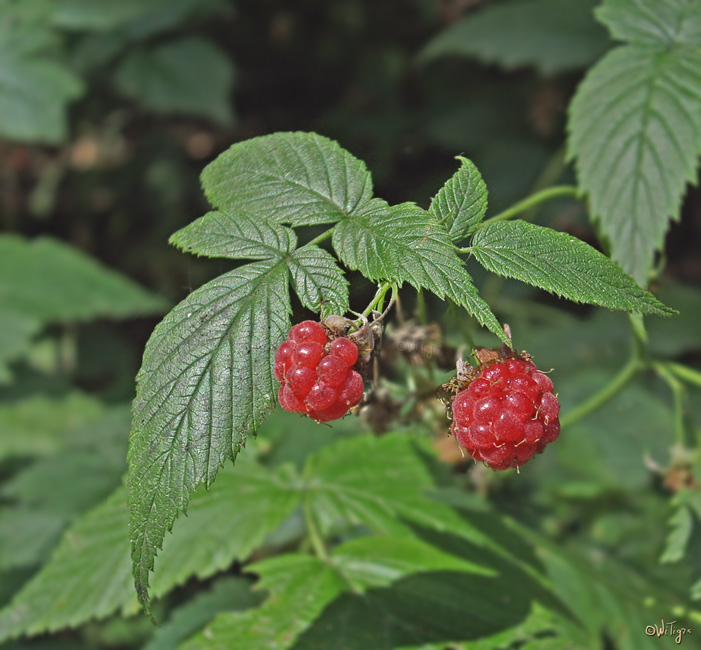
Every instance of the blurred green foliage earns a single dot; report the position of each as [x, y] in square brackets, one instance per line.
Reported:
[108, 113]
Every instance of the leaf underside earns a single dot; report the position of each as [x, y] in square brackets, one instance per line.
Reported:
[635, 126]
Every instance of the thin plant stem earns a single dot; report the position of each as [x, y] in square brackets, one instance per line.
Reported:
[678, 396]
[533, 200]
[685, 373]
[322, 237]
[314, 536]
[378, 300]
[609, 391]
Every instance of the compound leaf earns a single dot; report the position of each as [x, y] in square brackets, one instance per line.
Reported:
[316, 276]
[237, 236]
[187, 76]
[462, 202]
[206, 383]
[318, 280]
[377, 482]
[561, 264]
[404, 243]
[552, 35]
[635, 126]
[297, 178]
[381, 593]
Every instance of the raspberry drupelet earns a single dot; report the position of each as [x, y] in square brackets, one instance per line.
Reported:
[507, 413]
[317, 374]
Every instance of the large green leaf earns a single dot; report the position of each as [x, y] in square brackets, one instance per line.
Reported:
[552, 35]
[561, 264]
[635, 126]
[188, 76]
[82, 578]
[227, 595]
[26, 536]
[462, 202]
[316, 277]
[404, 243]
[48, 280]
[35, 86]
[206, 383]
[300, 587]
[318, 280]
[39, 425]
[297, 178]
[652, 22]
[89, 575]
[380, 593]
[240, 236]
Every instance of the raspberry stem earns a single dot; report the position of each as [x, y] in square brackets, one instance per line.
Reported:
[314, 536]
[528, 203]
[322, 237]
[378, 301]
[684, 438]
[609, 391]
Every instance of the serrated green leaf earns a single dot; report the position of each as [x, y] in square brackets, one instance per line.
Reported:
[561, 264]
[206, 383]
[227, 594]
[552, 35]
[297, 178]
[635, 127]
[240, 236]
[67, 482]
[26, 536]
[189, 76]
[81, 579]
[89, 576]
[379, 483]
[318, 280]
[462, 202]
[227, 522]
[380, 593]
[681, 524]
[316, 277]
[652, 22]
[404, 243]
[49, 281]
[300, 587]
[35, 86]
[39, 425]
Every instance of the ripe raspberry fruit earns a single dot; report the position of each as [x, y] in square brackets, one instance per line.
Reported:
[507, 413]
[317, 374]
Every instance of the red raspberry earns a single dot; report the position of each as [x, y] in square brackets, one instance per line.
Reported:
[507, 414]
[316, 374]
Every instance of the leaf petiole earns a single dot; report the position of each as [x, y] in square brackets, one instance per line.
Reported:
[533, 200]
